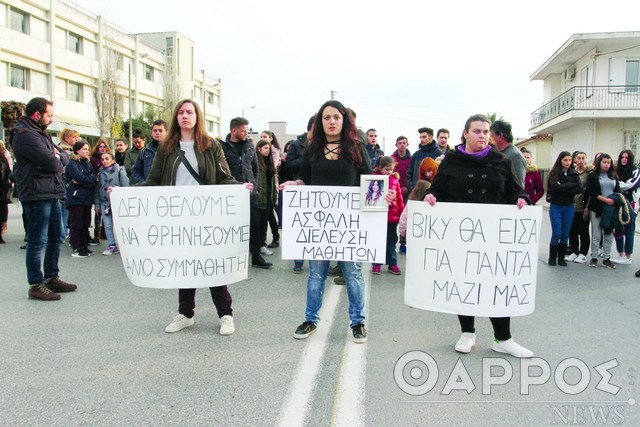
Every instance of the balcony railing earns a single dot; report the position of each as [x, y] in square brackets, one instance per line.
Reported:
[588, 98]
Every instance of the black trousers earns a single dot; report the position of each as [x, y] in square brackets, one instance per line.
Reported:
[254, 227]
[219, 294]
[501, 326]
[79, 222]
[579, 238]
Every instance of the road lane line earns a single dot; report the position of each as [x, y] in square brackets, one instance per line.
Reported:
[297, 405]
[350, 394]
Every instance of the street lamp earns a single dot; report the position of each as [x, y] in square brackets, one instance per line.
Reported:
[247, 108]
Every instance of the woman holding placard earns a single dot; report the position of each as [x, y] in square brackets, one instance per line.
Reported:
[476, 173]
[334, 157]
[187, 148]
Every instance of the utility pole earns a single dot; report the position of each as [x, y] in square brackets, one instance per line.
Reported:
[333, 95]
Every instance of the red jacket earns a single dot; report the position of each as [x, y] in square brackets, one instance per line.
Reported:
[397, 206]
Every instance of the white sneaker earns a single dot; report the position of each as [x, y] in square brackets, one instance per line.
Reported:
[226, 325]
[571, 257]
[621, 260]
[265, 251]
[581, 259]
[466, 342]
[179, 323]
[511, 347]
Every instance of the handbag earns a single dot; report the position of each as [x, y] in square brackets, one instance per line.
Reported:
[185, 162]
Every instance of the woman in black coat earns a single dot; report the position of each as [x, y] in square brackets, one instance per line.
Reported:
[476, 173]
[81, 185]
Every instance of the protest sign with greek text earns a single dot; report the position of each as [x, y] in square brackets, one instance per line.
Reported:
[472, 259]
[182, 237]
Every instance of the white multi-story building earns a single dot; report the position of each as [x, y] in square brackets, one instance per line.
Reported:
[592, 95]
[57, 50]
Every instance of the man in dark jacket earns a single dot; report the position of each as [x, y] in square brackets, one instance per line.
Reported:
[38, 172]
[428, 148]
[243, 164]
[373, 149]
[142, 166]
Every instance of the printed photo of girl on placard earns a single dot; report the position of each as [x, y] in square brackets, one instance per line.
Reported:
[373, 190]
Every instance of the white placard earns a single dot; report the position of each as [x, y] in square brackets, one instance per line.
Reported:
[472, 259]
[182, 237]
[326, 223]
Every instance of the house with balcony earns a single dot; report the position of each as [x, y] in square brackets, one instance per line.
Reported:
[591, 95]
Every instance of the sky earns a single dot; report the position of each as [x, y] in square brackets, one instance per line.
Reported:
[400, 64]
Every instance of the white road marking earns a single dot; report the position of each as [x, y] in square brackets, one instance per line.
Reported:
[350, 393]
[296, 406]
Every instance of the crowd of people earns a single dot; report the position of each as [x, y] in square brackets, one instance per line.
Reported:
[65, 188]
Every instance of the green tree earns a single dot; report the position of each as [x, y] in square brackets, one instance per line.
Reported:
[494, 117]
[139, 122]
[11, 112]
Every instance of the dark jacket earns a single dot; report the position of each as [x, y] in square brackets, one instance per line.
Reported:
[267, 190]
[341, 172]
[402, 166]
[533, 184]
[130, 158]
[39, 166]
[621, 210]
[374, 153]
[290, 168]
[81, 182]
[212, 167]
[243, 167]
[563, 188]
[144, 161]
[413, 173]
[465, 179]
[115, 177]
[594, 190]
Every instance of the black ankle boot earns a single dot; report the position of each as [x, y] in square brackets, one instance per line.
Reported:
[258, 261]
[553, 254]
[562, 252]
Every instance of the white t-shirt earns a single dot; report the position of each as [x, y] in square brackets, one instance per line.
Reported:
[183, 176]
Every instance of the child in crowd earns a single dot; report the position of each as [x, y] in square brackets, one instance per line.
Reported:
[111, 175]
[384, 166]
[418, 193]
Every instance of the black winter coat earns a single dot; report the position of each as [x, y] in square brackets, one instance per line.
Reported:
[81, 182]
[243, 167]
[462, 178]
[39, 166]
[563, 188]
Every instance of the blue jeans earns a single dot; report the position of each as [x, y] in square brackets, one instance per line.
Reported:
[107, 223]
[44, 231]
[624, 240]
[352, 273]
[561, 217]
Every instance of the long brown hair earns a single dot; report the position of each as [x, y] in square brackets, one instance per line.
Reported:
[94, 150]
[200, 135]
[265, 163]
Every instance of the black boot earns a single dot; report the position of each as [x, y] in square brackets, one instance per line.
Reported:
[553, 254]
[258, 261]
[562, 252]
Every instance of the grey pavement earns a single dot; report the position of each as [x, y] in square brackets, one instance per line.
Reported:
[100, 357]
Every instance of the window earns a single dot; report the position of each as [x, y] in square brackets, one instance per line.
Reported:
[624, 75]
[18, 77]
[209, 97]
[209, 126]
[632, 141]
[632, 76]
[74, 91]
[148, 72]
[74, 42]
[116, 59]
[19, 20]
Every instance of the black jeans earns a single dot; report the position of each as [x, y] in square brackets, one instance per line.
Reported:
[79, 222]
[219, 294]
[254, 227]
[501, 326]
[579, 234]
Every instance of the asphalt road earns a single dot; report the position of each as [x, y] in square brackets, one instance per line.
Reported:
[99, 356]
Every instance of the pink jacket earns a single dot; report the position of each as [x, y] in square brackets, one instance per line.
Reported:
[397, 206]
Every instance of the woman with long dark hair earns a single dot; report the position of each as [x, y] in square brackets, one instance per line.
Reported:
[334, 157]
[81, 186]
[267, 194]
[579, 238]
[601, 183]
[563, 183]
[98, 150]
[272, 221]
[204, 154]
[628, 175]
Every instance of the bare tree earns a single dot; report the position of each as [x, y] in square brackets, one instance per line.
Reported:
[108, 105]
